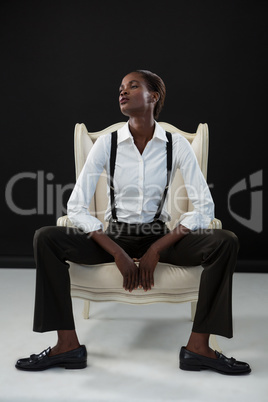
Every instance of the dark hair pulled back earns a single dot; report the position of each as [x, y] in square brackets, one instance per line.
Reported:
[154, 84]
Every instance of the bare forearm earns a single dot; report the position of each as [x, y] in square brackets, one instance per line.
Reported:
[170, 238]
[106, 243]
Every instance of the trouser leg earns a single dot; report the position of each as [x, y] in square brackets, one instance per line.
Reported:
[53, 246]
[216, 250]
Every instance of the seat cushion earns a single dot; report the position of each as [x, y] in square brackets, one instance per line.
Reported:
[104, 282]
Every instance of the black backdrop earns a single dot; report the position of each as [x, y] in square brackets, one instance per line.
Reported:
[62, 63]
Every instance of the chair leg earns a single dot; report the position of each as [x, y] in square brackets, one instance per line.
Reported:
[214, 343]
[193, 309]
[86, 309]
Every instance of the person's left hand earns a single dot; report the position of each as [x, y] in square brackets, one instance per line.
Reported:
[147, 264]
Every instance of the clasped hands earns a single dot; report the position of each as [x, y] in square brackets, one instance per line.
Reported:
[137, 272]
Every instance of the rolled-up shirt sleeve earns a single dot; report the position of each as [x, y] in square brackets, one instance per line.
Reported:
[79, 201]
[196, 187]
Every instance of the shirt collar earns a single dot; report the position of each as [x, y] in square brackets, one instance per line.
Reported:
[124, 133]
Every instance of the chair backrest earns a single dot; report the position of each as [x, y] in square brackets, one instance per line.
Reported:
[178, 202]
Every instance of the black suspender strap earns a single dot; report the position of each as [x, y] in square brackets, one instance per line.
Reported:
[112, 167]
[169, 168]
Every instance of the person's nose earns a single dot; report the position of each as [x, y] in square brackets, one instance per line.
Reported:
[123, 92]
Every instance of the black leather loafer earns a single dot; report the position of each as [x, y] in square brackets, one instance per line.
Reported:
[194, 362]
[74, 359]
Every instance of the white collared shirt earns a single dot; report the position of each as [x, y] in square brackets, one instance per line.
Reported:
[139, 181]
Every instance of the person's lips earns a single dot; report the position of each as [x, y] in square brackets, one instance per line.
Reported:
[123, 100]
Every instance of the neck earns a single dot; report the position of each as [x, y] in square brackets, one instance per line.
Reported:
[142, 129]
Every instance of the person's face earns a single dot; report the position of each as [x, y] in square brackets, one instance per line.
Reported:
[134, 97]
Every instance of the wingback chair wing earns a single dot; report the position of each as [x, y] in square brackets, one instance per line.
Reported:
[104, 282]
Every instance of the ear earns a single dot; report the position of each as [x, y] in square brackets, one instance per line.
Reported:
[155, 97]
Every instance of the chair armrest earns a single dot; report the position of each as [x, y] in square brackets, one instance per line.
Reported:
[64, 221]
[215, 224]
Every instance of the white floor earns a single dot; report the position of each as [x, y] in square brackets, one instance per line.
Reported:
[133, 350]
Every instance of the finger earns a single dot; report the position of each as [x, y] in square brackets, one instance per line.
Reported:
[124, 282]
[152, 278]
[143, 281]
[152, 282]
[127, 282]
[148, 282]
[132, 282]
[136, 279]
[140, 278]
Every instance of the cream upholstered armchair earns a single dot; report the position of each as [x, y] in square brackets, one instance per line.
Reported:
[104, 282]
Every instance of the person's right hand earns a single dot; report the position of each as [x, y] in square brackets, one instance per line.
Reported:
[125, 264]
[128, 269]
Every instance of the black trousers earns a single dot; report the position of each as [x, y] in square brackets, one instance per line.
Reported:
[214, 249]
